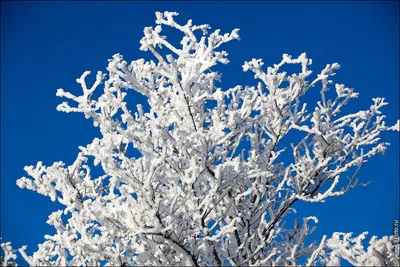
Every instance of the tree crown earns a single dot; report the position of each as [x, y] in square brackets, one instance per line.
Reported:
[198, 195]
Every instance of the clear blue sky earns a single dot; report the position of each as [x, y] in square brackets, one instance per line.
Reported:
[47, 45]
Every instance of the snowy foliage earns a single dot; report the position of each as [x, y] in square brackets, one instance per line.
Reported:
[198, 194]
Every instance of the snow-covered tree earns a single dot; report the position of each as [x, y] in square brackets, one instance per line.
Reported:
[215, 177]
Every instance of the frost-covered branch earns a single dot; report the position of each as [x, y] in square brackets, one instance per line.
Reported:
[380, 252]
[9, 254]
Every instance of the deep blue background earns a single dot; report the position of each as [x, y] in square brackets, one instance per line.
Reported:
[47, 45]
